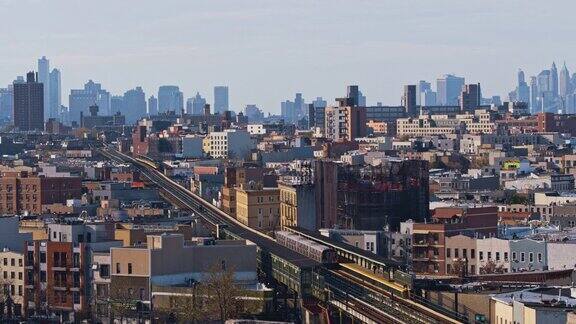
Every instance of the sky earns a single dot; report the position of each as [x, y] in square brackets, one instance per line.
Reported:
[267, 50]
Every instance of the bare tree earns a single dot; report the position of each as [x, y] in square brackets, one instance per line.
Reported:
[491, 267]
[6, 300]
[122, 300]
[459, 267]
[225, 298]
[188, 307]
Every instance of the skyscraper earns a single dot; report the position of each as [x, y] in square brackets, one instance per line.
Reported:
[29, 104]
[564, 85]
[170, 98]
[409, 100]
[354, 94]
[470, 97]
[55, 94]
[44, 78]
[221, 99]
[80, 100]
[197, 104]
[421, 88]
[554, 80]
[448, 89]
[116, 104]
[299, 106]
[152, 106]
[533, 94]
[522, 89]
[134, 105]
[6, 102]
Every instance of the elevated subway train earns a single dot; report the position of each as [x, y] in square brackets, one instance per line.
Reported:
[306, 247]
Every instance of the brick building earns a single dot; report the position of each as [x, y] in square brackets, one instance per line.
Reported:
[24, 191]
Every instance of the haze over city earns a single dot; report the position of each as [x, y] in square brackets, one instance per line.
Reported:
[266, 51]
[293, 161]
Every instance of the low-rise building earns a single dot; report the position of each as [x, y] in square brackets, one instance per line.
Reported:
[258, 207]
[12, 281]
[297, 203]
[166, 260]
[528, 255]
[550, 305]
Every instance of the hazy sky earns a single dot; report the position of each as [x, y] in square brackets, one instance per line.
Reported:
[266, 50]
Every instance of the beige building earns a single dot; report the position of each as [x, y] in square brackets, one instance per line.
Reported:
[461, 255]
[493, 255]
[168, 260]
[297, 204]
[12, 278]
[135, 234]
[550, 305]
[258, 207]
[477, 123]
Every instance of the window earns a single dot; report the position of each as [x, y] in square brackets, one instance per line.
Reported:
[447, 253]
[514, 256]
[42, 276]
[118, 267]
[456, 254]
[42, 257]
[480, 255]
[489, 255]
[104, 271]
[5, 261]
[522, 257]
[540, 257]
[531, 257]
[497, 256]
[76, 297]
[129, 268]
[13, 262]
[505, 256]
[472, 253]
[465, 253]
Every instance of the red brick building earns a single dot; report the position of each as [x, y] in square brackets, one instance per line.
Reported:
[549, 122]
[429, 239]
[22, 191]
[55, 279]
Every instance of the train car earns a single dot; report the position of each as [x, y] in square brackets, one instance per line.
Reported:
[317, 252]
[377, 280]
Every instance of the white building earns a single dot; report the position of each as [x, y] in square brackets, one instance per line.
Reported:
[561, 255]
[493, 250]
[256, 129]
[231, 143]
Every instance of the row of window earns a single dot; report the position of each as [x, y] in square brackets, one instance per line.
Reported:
[12, 262]
[497, 255]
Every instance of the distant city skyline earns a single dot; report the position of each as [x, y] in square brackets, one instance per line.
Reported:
[265, 52]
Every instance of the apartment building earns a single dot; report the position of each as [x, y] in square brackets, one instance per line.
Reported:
[230, 143]
[297, 203]
[12, 281]
[57, 275]
[167, 260]
[479, 122]
[344, 123]
[27, 192]
[258, 207]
